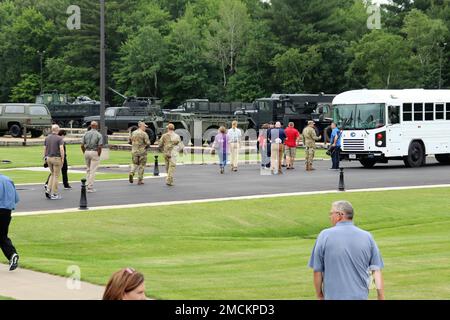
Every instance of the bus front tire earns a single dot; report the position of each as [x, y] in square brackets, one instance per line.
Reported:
[416, 155]
[368, 163]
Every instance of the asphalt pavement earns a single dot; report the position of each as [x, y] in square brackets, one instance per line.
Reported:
[198, 182]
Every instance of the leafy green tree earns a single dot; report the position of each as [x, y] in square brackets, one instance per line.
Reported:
[142, 59]
[381, 60]
[424, 36]
[293, 68]
[27, 89]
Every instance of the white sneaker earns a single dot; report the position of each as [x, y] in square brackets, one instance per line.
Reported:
[55, 197]
[91, 190]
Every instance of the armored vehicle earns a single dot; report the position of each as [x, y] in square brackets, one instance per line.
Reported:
[133, 110]
[15, 117]
[197, 117]
[67, 111]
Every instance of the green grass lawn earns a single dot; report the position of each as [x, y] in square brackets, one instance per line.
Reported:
[32, 156]
[5, 298]
[254, 249]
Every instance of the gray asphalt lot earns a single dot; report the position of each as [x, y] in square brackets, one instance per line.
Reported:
[196, 182]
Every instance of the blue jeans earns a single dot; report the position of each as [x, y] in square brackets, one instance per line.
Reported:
[222, 159]
[336, 158]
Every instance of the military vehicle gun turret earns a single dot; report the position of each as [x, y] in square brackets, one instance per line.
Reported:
[133, 110]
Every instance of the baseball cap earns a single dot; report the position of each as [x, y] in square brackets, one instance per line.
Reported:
[142, 122]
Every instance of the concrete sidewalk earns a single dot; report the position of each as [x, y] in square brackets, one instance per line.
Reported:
[24, 284]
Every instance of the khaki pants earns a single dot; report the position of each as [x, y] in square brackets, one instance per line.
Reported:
[139, 162]
[276, 157]
[92, 160]
[234, 148]
[170, 168]
[54, 164]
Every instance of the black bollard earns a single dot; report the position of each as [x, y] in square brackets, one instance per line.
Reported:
[156, 169]
[83, 199]
[341, 180]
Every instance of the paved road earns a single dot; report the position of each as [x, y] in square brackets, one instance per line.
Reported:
[196, 182]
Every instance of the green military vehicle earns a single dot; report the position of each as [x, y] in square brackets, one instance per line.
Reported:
[16, 117]
[66, 111]
[296, 108]
[199, 119]
[126, 117]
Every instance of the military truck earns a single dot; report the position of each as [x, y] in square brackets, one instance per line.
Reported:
[67, 111]
[15, 117]
[199, 119]
[133, 110]
[296, 108]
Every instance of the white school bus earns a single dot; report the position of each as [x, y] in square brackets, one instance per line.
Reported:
[383, 125]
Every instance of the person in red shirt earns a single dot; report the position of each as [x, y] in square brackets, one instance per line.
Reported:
[291, 142]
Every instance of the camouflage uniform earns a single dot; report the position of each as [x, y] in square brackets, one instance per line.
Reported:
[139, 145]
[168, 145]
[309, 137]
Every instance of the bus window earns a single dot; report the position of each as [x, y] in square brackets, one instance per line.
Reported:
[439, 111]
[407, 112]
[394, 114]
[418, 111]
[429, 112]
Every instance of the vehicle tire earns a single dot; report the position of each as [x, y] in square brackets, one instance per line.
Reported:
[416, 155]
[151, 135]
[36, 133]
[75, 124]
[210, 135]
[368, 163]
[2, 133]
[16, 131]
[443, 158]
[109, 132]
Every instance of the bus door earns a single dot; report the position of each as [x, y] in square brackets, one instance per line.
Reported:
[394, 132]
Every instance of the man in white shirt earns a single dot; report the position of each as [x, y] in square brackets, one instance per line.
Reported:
[234, 137]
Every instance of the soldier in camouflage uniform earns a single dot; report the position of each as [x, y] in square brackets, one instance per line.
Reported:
[310, 137]
[170, 144]
[140, 143]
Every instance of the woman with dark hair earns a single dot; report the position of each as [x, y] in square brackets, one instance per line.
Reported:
[125, 284]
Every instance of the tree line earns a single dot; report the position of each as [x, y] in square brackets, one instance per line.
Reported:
[223, 50]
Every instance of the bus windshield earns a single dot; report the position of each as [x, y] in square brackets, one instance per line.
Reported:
[359, 116]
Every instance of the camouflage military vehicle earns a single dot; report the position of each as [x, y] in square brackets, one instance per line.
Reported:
[14, 117]
[197, 117]
[67, 111]
[133, 110]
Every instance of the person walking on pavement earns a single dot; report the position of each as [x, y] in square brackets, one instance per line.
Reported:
[335, 141]
[64, 168]
[140, 142]
[343, 258]
[234, 136]
[170, 144]
[91, 145]
[277, 137]
[54, 155]
[262, 143]
[221, 146]
[8, 200]
[309, 137]
[291, 142]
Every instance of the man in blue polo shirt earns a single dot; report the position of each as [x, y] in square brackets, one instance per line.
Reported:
[343, 258]
[335, 141]
[8, 200]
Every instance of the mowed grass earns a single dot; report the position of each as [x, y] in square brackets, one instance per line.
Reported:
[255, 249]
[32, 156]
